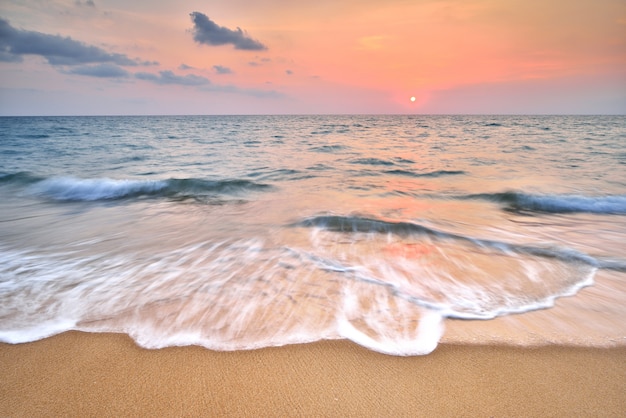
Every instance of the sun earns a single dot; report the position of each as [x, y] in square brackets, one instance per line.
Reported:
[412, 98]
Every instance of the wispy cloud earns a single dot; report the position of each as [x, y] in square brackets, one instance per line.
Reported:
[207, 32]
[203, 84]
[168, 77]
[57, 50]
[105, 70]
[220, 69]
[271, 94]
[87, 3]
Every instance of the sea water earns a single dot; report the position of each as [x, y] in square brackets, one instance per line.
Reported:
[241, 232]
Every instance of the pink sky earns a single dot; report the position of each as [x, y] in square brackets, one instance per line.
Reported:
[190, 57]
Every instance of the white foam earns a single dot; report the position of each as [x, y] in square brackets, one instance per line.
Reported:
[71, 188]
[245, 294]
[36, 331]
[427, 337]
[572, 203]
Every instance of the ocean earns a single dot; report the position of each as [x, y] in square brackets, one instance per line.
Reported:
[241, 232]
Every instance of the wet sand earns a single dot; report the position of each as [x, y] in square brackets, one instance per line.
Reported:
[81, 374]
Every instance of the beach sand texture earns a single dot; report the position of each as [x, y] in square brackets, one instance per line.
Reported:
[83, 374]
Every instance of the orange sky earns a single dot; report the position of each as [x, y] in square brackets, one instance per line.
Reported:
[320, 57]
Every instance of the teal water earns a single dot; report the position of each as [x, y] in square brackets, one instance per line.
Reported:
[239, 232]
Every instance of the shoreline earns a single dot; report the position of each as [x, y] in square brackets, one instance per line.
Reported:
[95, 374]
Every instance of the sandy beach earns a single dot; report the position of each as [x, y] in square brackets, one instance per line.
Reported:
[82, 374]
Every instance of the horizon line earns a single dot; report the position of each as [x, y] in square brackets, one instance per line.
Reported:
[304, 114]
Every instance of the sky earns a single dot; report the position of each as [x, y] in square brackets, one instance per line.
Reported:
[110, 57]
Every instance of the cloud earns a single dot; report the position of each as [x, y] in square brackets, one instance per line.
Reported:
[57, 50]
[106, 70]
[168, 77]
[88, 3]
[220, 69]
[288, 72]
[271, 94]
[207, 32]
[259, 61]
[185, 67]
[8, 57]
[204, 84]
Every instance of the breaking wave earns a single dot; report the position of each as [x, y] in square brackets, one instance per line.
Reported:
[78, 189]
[455, 275]
[612, 204]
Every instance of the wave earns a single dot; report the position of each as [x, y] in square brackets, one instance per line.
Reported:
[340, 223]
[613, 204]
[333, 148]
[283, 174]
[454, 275]
[34, 136]
[217, 292]
[433, 174]
[360, 224]
[19, 178]
[389, 289]
[78, 189]
[371, 161]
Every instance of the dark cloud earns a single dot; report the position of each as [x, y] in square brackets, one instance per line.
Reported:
[168, 77]
[205, 31]
[220, 69]
[57, 50]
[8, 57]
[185, 67]
[288, 72]
[101, 70]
